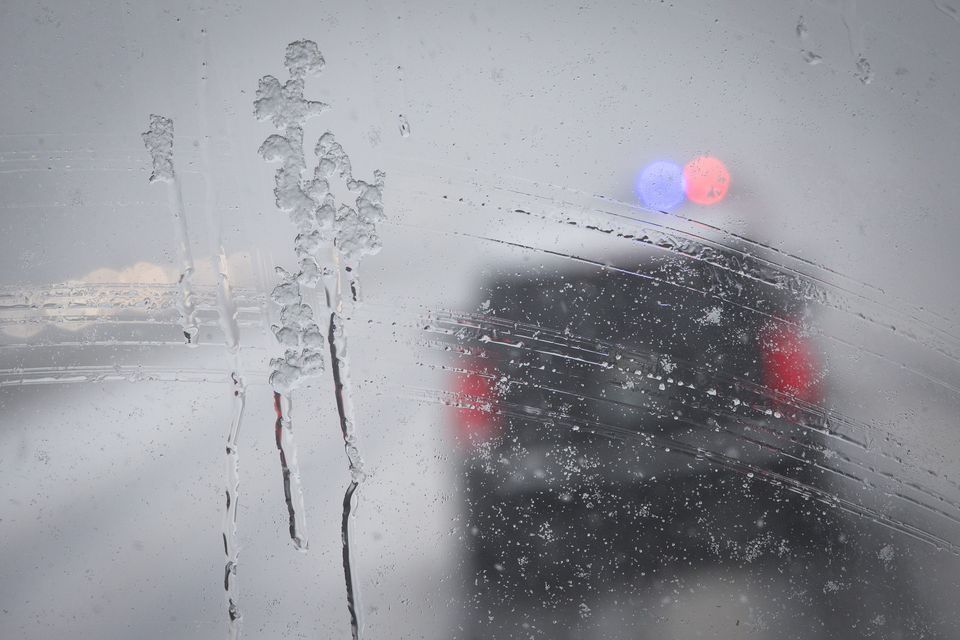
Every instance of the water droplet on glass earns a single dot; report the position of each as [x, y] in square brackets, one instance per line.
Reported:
[864, 74]
[811, 58]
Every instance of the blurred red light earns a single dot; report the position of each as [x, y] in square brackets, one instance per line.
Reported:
[789, 364]
[707, 180]
[476, 389]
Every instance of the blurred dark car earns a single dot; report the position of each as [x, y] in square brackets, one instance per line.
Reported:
[626, 429]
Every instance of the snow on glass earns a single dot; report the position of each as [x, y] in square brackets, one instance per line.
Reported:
[331, 240]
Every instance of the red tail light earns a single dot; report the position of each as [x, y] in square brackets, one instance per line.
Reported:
[475, 387]
[790, 366]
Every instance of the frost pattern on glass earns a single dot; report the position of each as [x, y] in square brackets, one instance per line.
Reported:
[285, 107]
[330, 242]
[159, 142]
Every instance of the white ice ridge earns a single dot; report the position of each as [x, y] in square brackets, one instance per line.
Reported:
[159, 142]
[299, 334]
[306, 196]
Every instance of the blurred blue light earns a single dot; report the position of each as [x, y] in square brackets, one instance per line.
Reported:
[661, 185]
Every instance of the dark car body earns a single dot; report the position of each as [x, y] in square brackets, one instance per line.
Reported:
[623, 426]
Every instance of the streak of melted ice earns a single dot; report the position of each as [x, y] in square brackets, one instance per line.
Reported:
[158, 140]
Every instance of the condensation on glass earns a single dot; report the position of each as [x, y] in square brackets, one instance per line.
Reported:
[475, 321]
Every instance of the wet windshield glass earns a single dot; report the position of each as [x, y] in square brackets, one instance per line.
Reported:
[413, 320]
